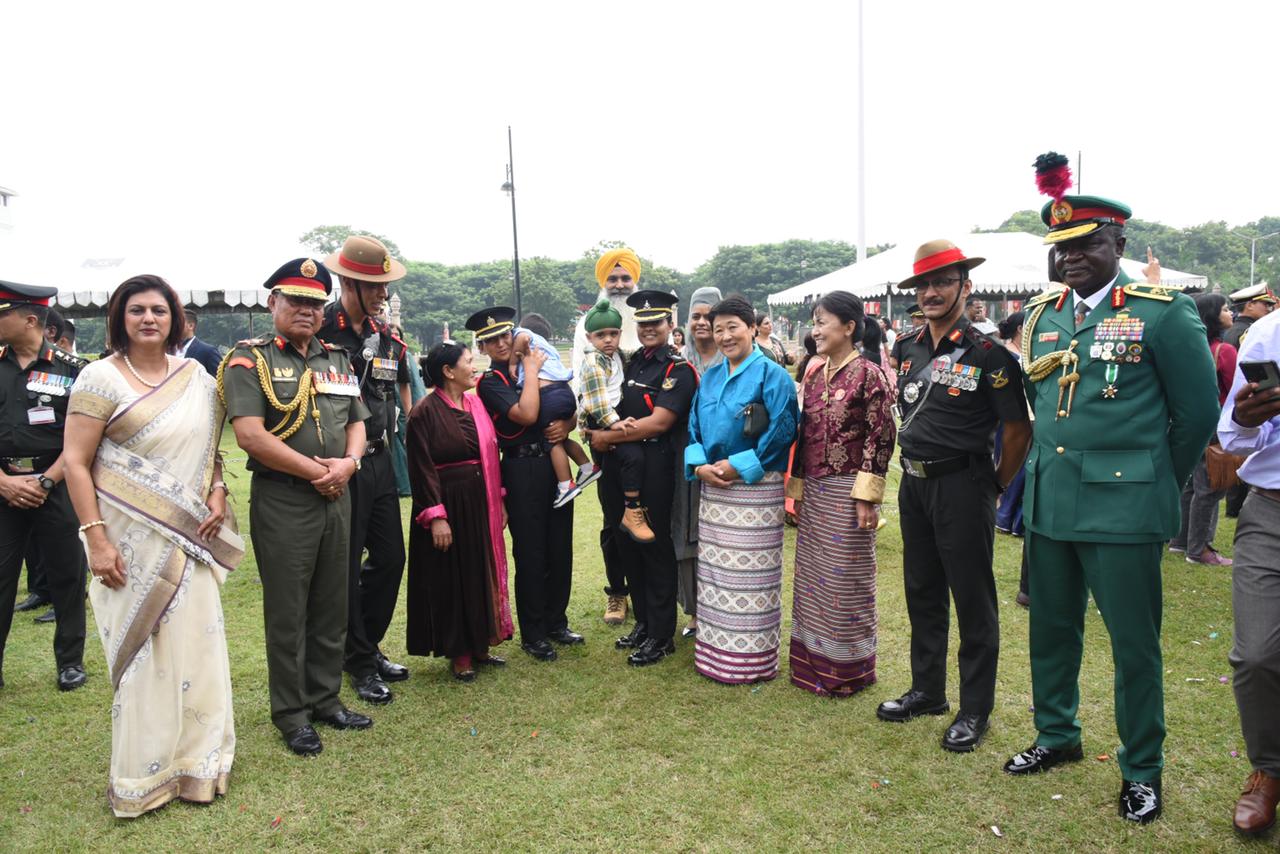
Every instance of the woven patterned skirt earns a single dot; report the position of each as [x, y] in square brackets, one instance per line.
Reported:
[740, 580]
[833, 612]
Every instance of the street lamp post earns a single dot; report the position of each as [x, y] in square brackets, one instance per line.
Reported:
[1253, 253]
[510, 189]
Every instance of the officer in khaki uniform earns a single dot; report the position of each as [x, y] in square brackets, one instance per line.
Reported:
[295, 406]
[1123, 389]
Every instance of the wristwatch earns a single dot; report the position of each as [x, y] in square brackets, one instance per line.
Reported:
[46, 483]
[355, 459]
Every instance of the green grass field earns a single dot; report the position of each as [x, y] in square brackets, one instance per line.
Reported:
[586, 754]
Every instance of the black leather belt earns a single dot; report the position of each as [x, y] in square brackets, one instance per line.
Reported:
[27, 465]
[375, 447]
[516, 452]
[934, 468]
[281, 477]
[1273, 494]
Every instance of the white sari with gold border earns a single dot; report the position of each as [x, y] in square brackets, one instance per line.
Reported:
[172, 730]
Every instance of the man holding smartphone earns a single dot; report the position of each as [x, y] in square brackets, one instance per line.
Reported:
[1250, 424]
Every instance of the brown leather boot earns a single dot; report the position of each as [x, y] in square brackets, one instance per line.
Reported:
[615, 612]
[1256, 809]
[636, 523]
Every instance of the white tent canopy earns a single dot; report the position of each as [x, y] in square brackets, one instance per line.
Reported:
[1017, 263]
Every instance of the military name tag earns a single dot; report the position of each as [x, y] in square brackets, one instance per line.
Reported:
[41, 415]
[52, 384]
[332, 382]
[384, 369]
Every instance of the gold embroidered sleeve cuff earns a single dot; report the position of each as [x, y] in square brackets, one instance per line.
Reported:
[795, 488]
[868, 487]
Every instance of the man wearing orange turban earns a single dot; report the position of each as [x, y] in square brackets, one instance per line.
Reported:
[618, 272]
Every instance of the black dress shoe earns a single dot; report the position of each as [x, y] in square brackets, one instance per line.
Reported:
[344, 718]
[47, 617]
[390, 671]
[33, 601]
[489, 661]
[639, 634]
[303, 741]
[567, 637]
[651, 652]
[71, 677]
[1140, 802]
[965, 732]
[910, 705]
[468, 675]
[541, 650]
[689, 632]
[372, 689]
[1037, 758]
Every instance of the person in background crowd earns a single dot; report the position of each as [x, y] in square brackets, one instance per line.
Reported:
[145, 474]
[677, 339]
[417, 391]
[954, 385]
[890, 337]
[916, 316]
[871, 343]
[365, 269]
[193, 348]
[701, 351]
[1249, 304]
[68, 339]
[1009, 505]
[975, 308]
[740, 432]
[1250, 424]
[1199, 499]
[295, 406]
[35, 379]
[769, 343]
[810, 350]
[618, 274]
[656, 395]
[541, 536]
[457, 604]
[1122, 385]
[837, 479]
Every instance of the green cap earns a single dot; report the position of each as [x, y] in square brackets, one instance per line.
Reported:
[602, 315]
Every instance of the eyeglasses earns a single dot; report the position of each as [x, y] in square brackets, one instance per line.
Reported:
[624, 279]
[937, 284]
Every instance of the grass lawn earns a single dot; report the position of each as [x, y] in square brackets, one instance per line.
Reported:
[588, 754]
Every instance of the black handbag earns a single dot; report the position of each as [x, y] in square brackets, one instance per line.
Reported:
[755, 418]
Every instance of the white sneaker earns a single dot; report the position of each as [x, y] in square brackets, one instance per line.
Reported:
[586, 476]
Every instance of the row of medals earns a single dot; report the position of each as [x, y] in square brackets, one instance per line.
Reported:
[1117, 351]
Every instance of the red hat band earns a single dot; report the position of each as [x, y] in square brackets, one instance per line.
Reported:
[23, 298]
[937, 260]
[370, 269]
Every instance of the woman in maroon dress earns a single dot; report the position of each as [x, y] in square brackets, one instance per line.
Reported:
[458, 605]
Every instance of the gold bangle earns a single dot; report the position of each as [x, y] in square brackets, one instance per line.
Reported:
[92, 524]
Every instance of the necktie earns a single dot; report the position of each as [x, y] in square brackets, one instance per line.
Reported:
[1082, 311]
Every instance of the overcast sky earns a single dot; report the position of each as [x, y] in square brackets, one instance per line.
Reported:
[206, 143]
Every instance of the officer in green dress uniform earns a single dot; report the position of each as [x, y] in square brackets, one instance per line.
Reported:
[295, 406]
[1123, 388]
[35, 381]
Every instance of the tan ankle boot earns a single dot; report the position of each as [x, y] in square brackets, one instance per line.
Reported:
[615, 613]
[635, 522]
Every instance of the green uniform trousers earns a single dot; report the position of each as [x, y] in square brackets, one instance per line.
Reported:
[301, 543]
[1126, 585]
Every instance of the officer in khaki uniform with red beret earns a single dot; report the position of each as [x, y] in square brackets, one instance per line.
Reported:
[295, 406]
[1125, 397]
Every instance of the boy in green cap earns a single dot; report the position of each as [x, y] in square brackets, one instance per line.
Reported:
[600, 384]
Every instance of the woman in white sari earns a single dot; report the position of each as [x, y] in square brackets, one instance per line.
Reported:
[146, 480]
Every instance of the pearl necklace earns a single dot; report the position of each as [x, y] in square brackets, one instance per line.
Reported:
[138, 376]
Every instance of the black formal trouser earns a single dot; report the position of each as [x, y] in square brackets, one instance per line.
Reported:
[615, 572]
[650, 567]
[542, 545]
[37, 576]
[1235, 499]
[948, 533]
[54, 524]
[373, 584]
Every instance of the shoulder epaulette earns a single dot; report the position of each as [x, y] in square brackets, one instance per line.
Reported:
[252, 342]
[1048, 295]
[4, 348]
[329, 346]
[1156, 292]
[63, 356]
[983, 340]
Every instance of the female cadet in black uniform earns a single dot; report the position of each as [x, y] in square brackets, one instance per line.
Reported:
[657, 390]
[541, 537]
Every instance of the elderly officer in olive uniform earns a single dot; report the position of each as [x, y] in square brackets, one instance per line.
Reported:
[954, 385]
[35, 379]
[295, 406]
[379, 359]
[657, 391]
[1125, 398]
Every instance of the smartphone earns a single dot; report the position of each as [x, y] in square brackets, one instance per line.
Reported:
[1265, 374]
